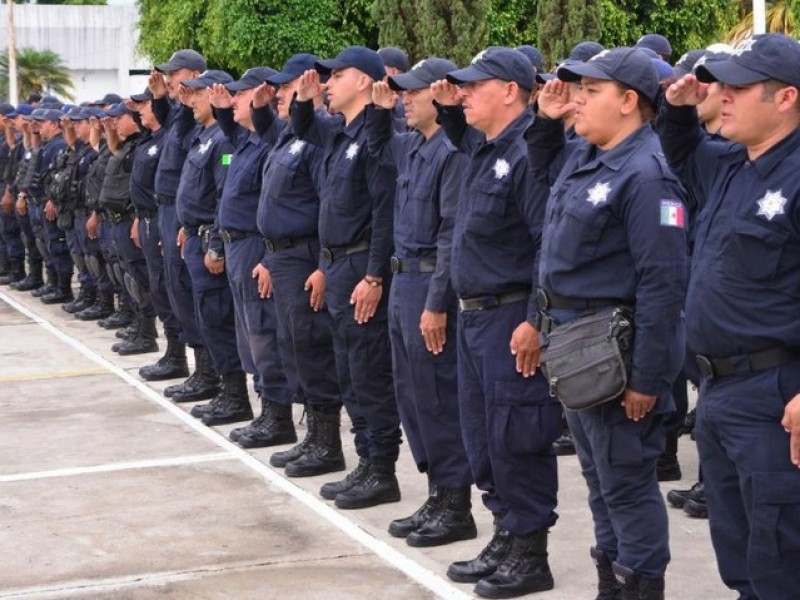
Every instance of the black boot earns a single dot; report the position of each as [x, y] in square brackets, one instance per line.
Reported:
[275, 428]
[332, 489]
[143, 341]
[636, 587]
[524, 570]
[130, 331]
[284, 457]
[668, 468]
[63, 291]
[564, 444]
[85, 298]
[324, 452]
[173, 364]
[15, 273]
[201, 385]
[607, 585]
[697, 507]
[103, 307]
[678, 498]
[231, 404]
[451, 521]
[380, 486]
[119, 319]
[33, 280]
[486, 563]
[49, 287]
[400, 528]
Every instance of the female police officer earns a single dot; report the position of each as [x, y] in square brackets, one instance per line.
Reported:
[614, 233]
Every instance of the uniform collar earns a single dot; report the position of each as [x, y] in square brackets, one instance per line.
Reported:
[769, 161]
[428, 149]
[354, 127]
[514, 131]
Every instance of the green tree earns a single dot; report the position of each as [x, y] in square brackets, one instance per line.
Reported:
[513, 23]
[38, 71]
[400, 26]
[74, 2]
[782, 17]
[564, 23]
[456, 29]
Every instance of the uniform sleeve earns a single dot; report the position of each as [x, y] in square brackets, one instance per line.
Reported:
[310, 126]
[220, 157]
[184, 121]
[440, 288]
[161, 109]
[547, 149]
[452, 120]
[381, 137]
[381, 184]
[659, 256]
[235, 133]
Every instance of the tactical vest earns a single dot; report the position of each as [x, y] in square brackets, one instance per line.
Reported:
[94, 179]
[115, 196]
[57, 180]
[30, 177]
[14, 164]
[5, 158]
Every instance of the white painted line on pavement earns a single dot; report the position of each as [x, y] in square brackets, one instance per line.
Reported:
[121, 466]
[412, 569]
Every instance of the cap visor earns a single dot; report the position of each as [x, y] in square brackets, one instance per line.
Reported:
[574, 71]
[282, 77]
[727, 71]
[195, 84]
[326, 66]
[467, 75]
[166, 67]
[406, 81]
[545, 77]
[237, 86]
[140, 97]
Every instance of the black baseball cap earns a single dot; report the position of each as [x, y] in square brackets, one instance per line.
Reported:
[110, 98]
[758, 58]
[293, 68]
[252, 78]
[183, 59]
[394, 57]
[422, 74]
[629, 66]
[657, 43]
[365, 60]
[533, 55]
[496, 62]
[207, 79]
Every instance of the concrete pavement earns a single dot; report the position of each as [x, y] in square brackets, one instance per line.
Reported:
[107, 490]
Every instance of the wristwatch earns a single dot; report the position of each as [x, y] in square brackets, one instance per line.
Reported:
[215, 256]
[373, 281]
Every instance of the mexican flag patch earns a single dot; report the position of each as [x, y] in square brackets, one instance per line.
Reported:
[673, 214]
[226, 160]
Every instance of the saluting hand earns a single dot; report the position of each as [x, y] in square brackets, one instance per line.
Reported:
[687, 91]
[525, 345]
[309, 86]
[261, 273]
[263, 95]
[791, 422]
[446, 93]
[433, 326]
[383, 96]
[157, 84]
[554, 99]
[637, 405]
[185, 95]
[219, 96]
[315, 284]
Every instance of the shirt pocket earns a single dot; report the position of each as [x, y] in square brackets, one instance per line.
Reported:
[488, 202]
[757, 248]
[348, 188]
[580, 230]
[424, 212]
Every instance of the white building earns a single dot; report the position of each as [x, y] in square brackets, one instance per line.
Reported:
[97, 43]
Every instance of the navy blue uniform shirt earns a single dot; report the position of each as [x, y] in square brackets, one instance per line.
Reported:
[145, 165]
[498, 224]
[238, 204]
[744, 288]
[357, 191]
[429, 173]
[179, 122]
[615, 227]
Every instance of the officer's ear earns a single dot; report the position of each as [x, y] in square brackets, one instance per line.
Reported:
[786, 99]
[630, 102]
[364, 83]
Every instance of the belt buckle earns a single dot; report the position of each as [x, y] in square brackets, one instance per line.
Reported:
[704, 366]
[394, 264]
[327, 254]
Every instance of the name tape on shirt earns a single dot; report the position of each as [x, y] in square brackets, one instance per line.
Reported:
[673, 214]
[225, 160]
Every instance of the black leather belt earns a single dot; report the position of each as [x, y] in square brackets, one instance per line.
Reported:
[117, 218]
[233, 235]
[421, 265]
[164, 200]
[276, 245]
[201, 230]
[146, 213]
[712, 368]
[482, 302]
[331, 253]
[548, 301]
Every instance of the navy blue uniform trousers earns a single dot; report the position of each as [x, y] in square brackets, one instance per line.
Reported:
[11, 236]
[133, 263]
[150, 240]
[752, 488]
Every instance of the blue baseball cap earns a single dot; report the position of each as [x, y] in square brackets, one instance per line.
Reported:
[657, 43]
[21, 109]
[119, 110]
[533, 55]
[109, 98]
[183, 59]
[78, 114]
[686, 63]
[663, 68]
[496, 62]
[585, 51]
[94, 111]
[422, 74]
[758, 58]
[293, 68]
[207, 79]
[252, 78]
[49, 114]
[394, 57]
[6, 108]
[365, 60]
[145, 96]
[629, 66]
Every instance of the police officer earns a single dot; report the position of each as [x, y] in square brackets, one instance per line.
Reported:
[12, 253]
[355, 230]
[264, 353]
[395, 62]
[509, 420]
[615, 235]
[741, 306]
[200, 187]
[164, 83]
[288, 218]
[422, 305]
[145, 235]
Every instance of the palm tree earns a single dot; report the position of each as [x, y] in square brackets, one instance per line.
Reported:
[782, 17]
[38, 71]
